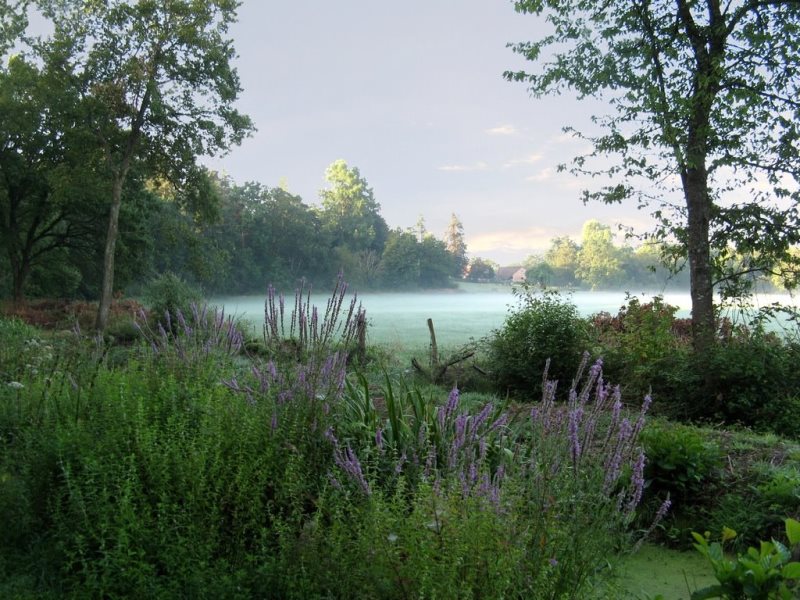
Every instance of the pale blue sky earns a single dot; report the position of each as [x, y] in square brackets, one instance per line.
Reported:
[412, 94]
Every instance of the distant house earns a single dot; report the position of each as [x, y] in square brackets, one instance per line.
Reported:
[515, 274]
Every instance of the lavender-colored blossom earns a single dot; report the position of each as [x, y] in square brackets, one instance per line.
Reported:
[348, 462]
[398, 468]
[452, 402]
[501, 421]
[329, 435]
[379, 439]
[574, 441]
[637, 482]
[480, 419]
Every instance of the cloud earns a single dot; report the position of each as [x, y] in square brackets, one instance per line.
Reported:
[543, 175]
[478, 166]
[518, 241]
[502, 130]
[528, 160]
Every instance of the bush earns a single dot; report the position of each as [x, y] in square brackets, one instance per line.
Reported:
[544, 326]
[170, 293]
[679, 461]
[756, 381]
[646, 349]
[764, 572]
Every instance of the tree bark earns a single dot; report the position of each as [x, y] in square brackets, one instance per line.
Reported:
[701, 283]
[107, 292]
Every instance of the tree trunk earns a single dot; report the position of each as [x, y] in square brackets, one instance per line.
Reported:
[106, 295]
[702, 289]
[19, 275]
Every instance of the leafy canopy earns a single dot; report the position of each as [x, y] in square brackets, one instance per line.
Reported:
[693, 87]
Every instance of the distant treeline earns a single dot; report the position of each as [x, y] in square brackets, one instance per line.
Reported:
[235, 239]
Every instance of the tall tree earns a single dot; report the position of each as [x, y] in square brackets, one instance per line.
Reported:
[49, 187]
[704, 97]
[456, 246]
[158, 85]
[562, 256]
[598, 258]
[350, 212]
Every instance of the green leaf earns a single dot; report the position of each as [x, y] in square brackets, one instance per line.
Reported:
[791, 571]
[713, 591]
[793, 531]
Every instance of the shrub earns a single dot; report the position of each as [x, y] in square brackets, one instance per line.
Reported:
[169, 293]
[646, 348]
[756, 381]
[679, 461]
[542, 327]
[763, 573]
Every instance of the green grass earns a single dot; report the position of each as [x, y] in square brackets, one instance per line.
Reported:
[655, 570]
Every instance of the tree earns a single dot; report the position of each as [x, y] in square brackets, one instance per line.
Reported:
[400, 266]
[562, 256]
[598, 258]
[157, 85]
[704, 104]
[49, 187]
[350, 212]
[13, 22]
[456, 246]
[435, 263]
[480, 269]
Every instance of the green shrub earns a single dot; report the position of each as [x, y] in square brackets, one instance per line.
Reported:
[644, 347]
[543, 326]
[170, 293]
[756, 381]
[765, 572]
[679, 461]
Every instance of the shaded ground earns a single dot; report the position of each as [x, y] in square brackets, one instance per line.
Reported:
[657, 570]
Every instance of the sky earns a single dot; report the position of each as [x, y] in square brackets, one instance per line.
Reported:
[412, 94]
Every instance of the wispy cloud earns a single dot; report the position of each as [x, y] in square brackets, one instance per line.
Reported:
[478, 166]
[528, 160]
[543, 175]
[518, 241]
[502, 130]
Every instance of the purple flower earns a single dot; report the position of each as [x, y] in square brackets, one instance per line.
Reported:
[637, 481]
[379, 439]
[575, 444]
[347, 461]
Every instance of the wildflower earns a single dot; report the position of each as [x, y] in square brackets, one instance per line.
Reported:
[392, 537]
[637, 481]
[553, 562]
[15, 385]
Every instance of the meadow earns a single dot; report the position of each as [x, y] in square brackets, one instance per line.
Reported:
[185, 458]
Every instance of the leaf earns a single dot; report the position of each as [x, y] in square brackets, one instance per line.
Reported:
[728, 534]
[791, 571]
[793, 531]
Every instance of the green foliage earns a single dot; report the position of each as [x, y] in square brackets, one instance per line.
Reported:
[480, 270]
[169, 293]
[350, 213]
[764, 573]
[693, 92]
[756, 380]
[598, 258]
[542, 327]
[679, 461]
[644, 349]
[120, 481]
